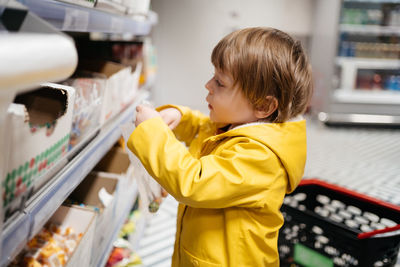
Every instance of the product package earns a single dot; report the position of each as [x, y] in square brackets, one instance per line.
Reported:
[66, 240]
[150, 191]
[118, 80]
[90, 88]
[98, 193]
[39, 125]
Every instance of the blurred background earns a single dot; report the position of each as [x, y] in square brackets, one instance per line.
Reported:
[193, 28]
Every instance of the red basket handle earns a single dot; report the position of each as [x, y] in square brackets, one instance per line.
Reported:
[376, 232]
[351, 193]
[361, 197]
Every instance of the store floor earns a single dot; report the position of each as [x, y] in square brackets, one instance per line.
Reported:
[157, 244]
[364, 160]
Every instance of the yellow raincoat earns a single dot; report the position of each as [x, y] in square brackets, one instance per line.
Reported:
[230, 186]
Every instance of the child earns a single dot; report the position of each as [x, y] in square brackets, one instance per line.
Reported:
[242, 159]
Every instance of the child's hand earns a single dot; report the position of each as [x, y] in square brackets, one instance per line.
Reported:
[143, 113]
[164, 192]
[171, 117]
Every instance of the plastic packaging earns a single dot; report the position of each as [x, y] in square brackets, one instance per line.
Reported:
[150, 191]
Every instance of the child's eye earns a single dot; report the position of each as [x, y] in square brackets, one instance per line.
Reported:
[218, 83]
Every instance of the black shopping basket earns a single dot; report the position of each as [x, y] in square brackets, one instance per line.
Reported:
[327, 225]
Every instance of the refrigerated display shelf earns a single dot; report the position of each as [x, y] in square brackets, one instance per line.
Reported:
[373, 1]
[367, 96]
[22, 227]
[74, 18]
[346, 93]
[369, 29]
[368, 63]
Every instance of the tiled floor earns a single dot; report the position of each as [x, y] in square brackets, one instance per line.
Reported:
[365, 160]
[157, 243]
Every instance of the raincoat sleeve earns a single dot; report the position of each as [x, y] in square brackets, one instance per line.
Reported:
[231, 178]
[190, 123]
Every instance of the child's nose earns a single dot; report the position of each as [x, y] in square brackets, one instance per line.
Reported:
[208, 86]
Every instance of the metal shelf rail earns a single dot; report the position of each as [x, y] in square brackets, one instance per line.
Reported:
[74, 18]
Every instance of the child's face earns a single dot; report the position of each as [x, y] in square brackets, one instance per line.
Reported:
[226, 102]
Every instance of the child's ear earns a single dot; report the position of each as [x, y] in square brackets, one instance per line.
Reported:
[269, 107]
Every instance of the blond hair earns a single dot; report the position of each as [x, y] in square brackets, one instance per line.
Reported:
[267, 62]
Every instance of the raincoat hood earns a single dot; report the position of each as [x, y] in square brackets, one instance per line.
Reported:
[287, 140]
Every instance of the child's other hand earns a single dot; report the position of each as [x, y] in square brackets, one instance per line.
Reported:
[143, 113]
[164, 192]
[171, 117]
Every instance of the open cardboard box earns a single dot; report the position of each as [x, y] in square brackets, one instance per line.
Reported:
[39, 126]
[117, 76]
[82, 221]
[91, 193]
[68, 220]
[116, 164]
[132, 86]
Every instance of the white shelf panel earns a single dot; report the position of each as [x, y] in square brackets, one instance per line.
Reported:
[367, 96]
[369, 29]
[368, 63]
[23, 226]
[74, 18]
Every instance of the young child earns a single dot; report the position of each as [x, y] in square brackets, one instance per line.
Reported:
[241, 160]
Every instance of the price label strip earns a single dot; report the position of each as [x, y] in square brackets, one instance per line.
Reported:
[75, 20]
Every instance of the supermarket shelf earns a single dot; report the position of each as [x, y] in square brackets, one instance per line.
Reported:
[368, 63]
[359, 119]
[74, 18]
[103, 255]
[369, 29]
[367, 96]
[373, 1]
[21, 228]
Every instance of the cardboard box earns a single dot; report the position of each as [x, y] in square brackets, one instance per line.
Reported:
[116, 83]
[65, 240]
[91, 193]
[129, 55]
[111, 6]
[132, 86]
[39, 126]
[141, 7]
[82, 221]
[87, 3]
[90, 89]
[116, 164]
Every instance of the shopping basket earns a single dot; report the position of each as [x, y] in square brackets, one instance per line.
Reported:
[327, 225]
